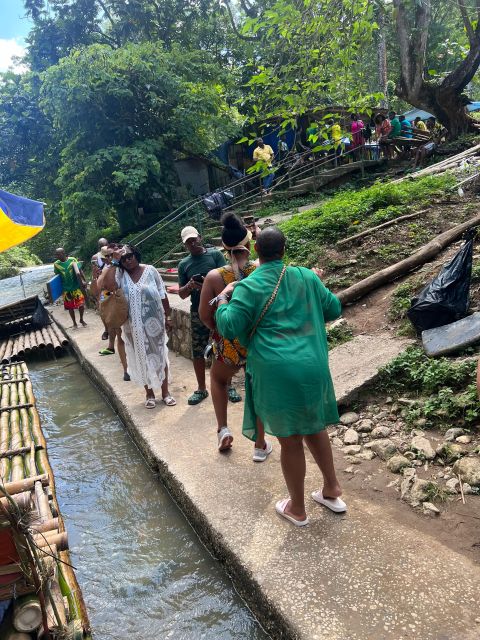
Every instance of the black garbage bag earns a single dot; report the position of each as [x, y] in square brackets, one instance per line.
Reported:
[40, 317]
[447, 297]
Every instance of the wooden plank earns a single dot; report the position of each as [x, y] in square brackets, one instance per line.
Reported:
[452, 337]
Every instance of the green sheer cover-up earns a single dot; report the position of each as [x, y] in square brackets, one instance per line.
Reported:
[287, 382]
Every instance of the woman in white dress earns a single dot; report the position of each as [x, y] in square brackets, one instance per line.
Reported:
[144, 332]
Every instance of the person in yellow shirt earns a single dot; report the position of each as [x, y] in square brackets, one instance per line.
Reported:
[264, 153]
[420, 124]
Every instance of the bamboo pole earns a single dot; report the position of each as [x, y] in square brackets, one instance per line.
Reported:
[53, 622]
[49, 525]
[424, 254]
[46, 337]
[380, 226]
[27, 613]
[8, 351]
[27, 484]
[23, 499]
[5, 464]
[61, 336]
[3, 346]
[43, 505]
[60, 540]
[27, 342]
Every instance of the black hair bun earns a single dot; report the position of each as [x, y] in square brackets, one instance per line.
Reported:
[230, 220]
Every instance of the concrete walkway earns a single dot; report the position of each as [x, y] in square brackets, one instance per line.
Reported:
[363, 576]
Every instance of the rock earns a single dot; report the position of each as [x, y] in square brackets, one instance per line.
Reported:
[381, 415]
[351, 459]
[430, 509]
[406, 401]
[364, 426]
[397, 463]
[469, 470]
[453, 433]
[352, 449]
[349, 418]
[409, 472]
[452, 485]
[418, 493]
[366, 455]
[422, 446]
[381, 432]
[464, 439]
[421, 423]
[417, 432]
[409, 455]
[449, 451]
[349, 470]
[350, 437]
[384, 449]
[467, 488]
[388, 400]
[337, 442]
[333, 434]
[393, 483]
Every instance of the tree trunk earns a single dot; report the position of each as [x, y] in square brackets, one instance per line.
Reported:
[445, 103]
[382, 57]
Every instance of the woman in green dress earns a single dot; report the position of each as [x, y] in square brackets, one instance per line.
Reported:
[288, 383]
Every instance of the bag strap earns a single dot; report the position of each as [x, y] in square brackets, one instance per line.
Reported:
[269, 302]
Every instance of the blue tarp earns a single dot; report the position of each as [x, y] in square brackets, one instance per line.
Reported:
[420, 113]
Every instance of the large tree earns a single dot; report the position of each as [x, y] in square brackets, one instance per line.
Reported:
[441, 94]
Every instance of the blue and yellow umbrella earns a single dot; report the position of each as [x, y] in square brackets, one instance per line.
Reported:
[20, 219]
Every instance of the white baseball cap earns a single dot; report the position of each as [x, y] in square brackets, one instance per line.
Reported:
[189, 232]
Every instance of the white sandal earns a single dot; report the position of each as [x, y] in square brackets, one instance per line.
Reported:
[280, 509]
[169, 401]
[334, 504]
[150, 403]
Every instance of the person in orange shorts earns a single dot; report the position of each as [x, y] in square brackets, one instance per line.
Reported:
[228, 355]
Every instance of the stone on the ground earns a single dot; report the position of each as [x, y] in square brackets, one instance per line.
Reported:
[469, 470]
[420, 423]
[452, 485]
[351, 459]
[397, 463]
[364, 426]
[463, 439]
[366, 455]
[349, 418]
[430, 509]
[453, 433]
[450, 451]
[418, 492]
[384, 449]
[349, 470]
[350, 437]
[338, 442]
[422, 446]
[381, 432]
[409, 455]
[467, 488]
[352, 449]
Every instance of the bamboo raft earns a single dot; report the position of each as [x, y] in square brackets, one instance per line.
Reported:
[35, 570]
[22, 344]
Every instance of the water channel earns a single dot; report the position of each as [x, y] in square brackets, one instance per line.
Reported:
[143, 572]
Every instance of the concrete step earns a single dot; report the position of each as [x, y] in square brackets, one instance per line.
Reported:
[168, 276]
[169, 264]
[179, 255]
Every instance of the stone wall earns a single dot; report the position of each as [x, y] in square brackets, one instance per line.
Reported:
[180, 336]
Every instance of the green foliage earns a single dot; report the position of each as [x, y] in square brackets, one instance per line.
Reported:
[447, 391]
[402, 298]
[341, 215]
[339, 335]
[13, 259]
[435, 493]
[416, 371]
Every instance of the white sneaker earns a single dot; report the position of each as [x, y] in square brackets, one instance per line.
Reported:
[260, 455]
[225, 439]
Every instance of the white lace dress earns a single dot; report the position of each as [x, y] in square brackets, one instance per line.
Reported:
[144, 332]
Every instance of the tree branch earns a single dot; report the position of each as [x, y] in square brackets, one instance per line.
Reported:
[418, 48]
[466, 21]
[234, 26]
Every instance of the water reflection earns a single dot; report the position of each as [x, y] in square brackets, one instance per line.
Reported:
[142, 570]
[29, 283]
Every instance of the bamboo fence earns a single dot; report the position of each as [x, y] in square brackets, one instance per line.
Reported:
[35, 570]
[22, 344]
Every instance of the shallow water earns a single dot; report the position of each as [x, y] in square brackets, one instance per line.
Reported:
[143, 572]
